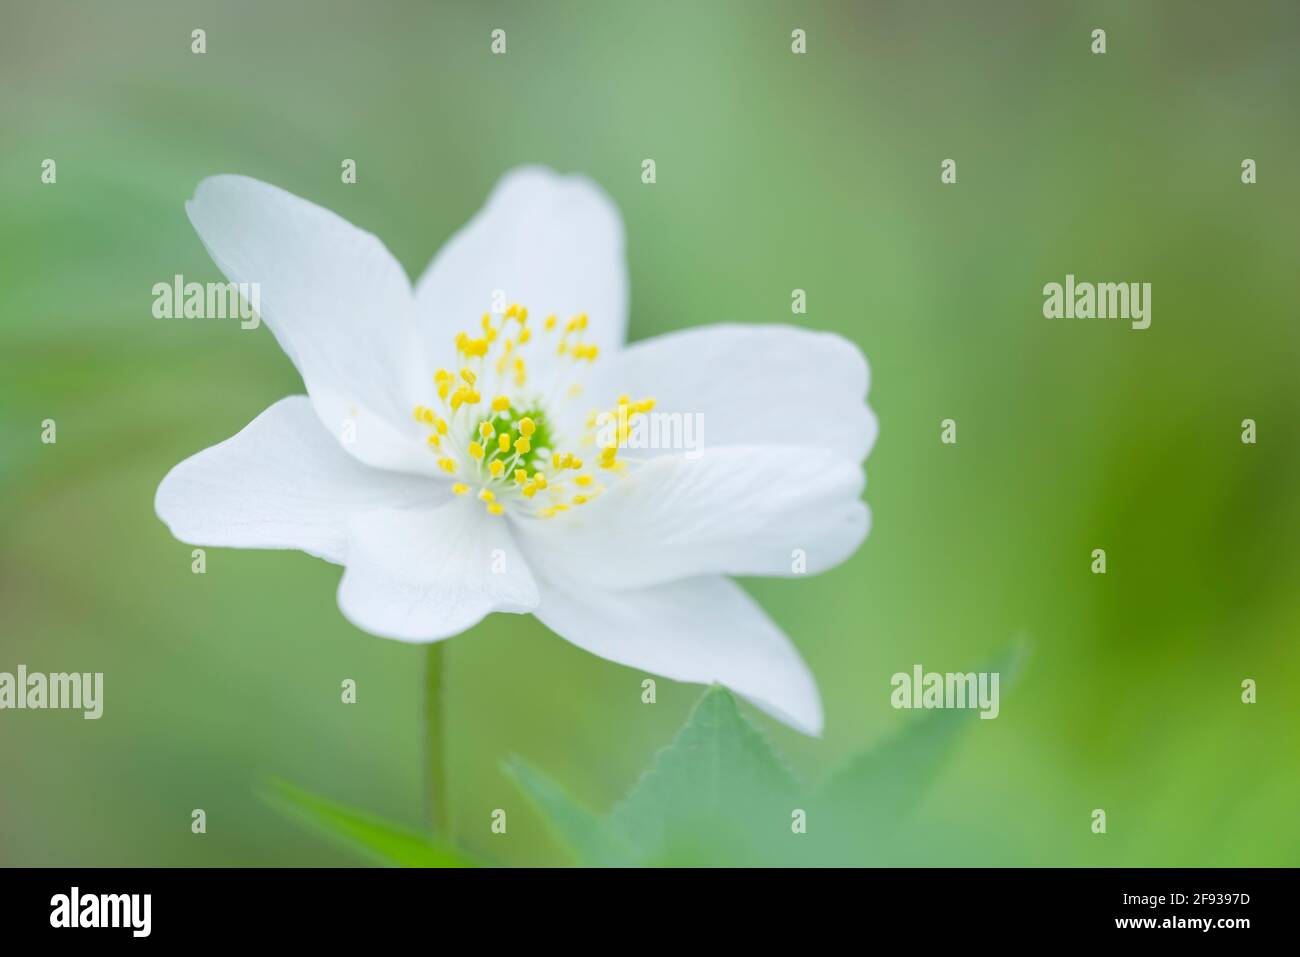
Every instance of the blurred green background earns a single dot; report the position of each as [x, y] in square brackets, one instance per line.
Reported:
[775, 171]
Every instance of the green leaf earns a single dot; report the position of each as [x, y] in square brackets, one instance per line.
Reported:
[589, 838]
[878, 788]
[379, 839]
[718, 792]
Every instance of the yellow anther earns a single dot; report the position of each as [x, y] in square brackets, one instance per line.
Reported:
[503, 442]
[580, 500]
[527, 426]
[523, 315]
[575, 463]
[531, 489]
[487, 495]
[476, 451]
[501, 403]
[496, 508]
[496, 467]
[443, 389]
[446, 464]
[513, 310]
[582, 319]
[540, 479]
[523, 446]
[467, 375]
[485, 429]
[584, 480]
[458, 398]
[435, 441]
[441, 425]
[460, 488]
[471, 397]
[525, 335]
[550, 322]
[559, 459]
[624, 399]
[521, 476]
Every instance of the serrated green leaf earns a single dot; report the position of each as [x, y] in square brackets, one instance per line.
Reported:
[589, 838]
[381, 840]
[718, 792]
[879, 787]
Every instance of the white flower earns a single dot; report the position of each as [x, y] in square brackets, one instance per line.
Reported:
[447, 461]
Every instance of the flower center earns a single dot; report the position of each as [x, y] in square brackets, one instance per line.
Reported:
[509, 450]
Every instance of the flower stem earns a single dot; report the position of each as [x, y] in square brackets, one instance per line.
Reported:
[435, 741]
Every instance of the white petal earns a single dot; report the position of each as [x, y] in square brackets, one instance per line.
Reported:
[551, 243]
[430, 574]
[703, 630]
[751, 384]
[736, 510]
[339, 304]
[282, 482]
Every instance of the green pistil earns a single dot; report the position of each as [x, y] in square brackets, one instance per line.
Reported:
[540, 439]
